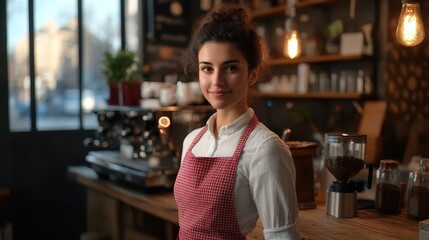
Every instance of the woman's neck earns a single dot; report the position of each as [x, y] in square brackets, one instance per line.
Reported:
[225, 117]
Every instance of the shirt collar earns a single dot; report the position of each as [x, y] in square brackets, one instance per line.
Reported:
[233, 127]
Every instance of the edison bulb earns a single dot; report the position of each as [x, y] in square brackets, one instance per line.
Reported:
[410, 30]
[292, 45]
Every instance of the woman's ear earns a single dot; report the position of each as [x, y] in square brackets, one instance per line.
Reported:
[253, 78]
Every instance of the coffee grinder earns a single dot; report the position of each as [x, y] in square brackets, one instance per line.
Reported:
[344, 157]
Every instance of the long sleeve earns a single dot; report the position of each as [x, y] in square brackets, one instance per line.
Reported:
[272, 186]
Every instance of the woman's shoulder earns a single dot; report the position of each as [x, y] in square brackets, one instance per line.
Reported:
[262, 133]
[263, 138]
[267, 152]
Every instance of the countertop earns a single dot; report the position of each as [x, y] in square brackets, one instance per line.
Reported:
[312, 223]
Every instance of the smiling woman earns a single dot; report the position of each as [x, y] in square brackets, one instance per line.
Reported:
[234, 170]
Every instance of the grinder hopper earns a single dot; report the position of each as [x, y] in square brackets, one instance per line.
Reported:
[344, 157]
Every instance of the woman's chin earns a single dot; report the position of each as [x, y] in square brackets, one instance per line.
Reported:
[218, 106]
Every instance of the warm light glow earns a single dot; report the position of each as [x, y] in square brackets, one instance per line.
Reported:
[410, 30]
[292, 45]
[88, 103]
[164, 122]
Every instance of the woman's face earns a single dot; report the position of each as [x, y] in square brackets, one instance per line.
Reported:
[224, 76]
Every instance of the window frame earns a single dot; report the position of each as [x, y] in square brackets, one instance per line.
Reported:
[4, 85]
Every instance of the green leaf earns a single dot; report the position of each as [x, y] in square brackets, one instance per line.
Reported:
[120, 66]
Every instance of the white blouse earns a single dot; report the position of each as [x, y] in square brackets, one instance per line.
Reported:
[265, 180]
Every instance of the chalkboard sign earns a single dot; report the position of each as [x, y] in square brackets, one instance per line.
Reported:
[167, 23]
[164, 58]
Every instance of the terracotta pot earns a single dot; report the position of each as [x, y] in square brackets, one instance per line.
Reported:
[129, 94]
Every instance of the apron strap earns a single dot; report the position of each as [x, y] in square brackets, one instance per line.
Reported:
[249, 128]
[252, 124]
[197, 138]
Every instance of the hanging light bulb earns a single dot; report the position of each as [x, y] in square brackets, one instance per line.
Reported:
[292, 41]
[410, 30]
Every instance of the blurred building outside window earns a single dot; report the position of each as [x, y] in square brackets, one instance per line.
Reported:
[56, 60]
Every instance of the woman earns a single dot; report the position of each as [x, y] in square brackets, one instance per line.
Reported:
[234, 170]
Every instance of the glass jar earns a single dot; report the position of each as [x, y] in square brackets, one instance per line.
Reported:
[388, 187]
[418, 192]
[344, 154]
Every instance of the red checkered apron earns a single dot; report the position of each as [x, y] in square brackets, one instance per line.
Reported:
[204, 192]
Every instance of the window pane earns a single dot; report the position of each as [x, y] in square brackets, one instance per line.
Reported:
[132, 25]
[102, 33]
[56, 64]
[19, 77]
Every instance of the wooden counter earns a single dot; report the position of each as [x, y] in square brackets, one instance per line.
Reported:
[312, 223]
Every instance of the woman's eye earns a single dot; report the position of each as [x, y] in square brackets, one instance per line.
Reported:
[231, 68]
[206, 69]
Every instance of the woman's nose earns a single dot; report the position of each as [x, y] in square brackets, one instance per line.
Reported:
[218, 77]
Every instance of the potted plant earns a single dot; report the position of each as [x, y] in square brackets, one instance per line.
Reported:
[332, 33]
[123, 77]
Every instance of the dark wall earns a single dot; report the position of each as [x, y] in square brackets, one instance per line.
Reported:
[307, 117]
[45, 203]
[406, 78]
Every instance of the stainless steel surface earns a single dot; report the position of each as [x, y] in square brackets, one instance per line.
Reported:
[152, 172]
[341, 205]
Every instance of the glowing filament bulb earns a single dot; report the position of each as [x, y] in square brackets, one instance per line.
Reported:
[292, 48]
[410, 30]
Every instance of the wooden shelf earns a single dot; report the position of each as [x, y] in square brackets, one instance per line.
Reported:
[309, 3]
[347, 96]
[321, 59]
[316, 59]
[269, 11]
[282, 9]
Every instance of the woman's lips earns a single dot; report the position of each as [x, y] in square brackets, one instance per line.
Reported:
[219, 93]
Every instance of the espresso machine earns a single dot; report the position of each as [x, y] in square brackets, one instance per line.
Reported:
[142, 147]
[343, 155]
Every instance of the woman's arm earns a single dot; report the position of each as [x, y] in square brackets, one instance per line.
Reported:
[272, 185]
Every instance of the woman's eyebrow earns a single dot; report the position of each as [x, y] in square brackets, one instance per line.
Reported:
[226, 62]
[231, 61]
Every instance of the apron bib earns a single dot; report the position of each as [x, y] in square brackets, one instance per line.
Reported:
[204, 192]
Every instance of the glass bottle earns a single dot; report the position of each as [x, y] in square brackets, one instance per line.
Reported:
[388, 187]
[418, 192]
